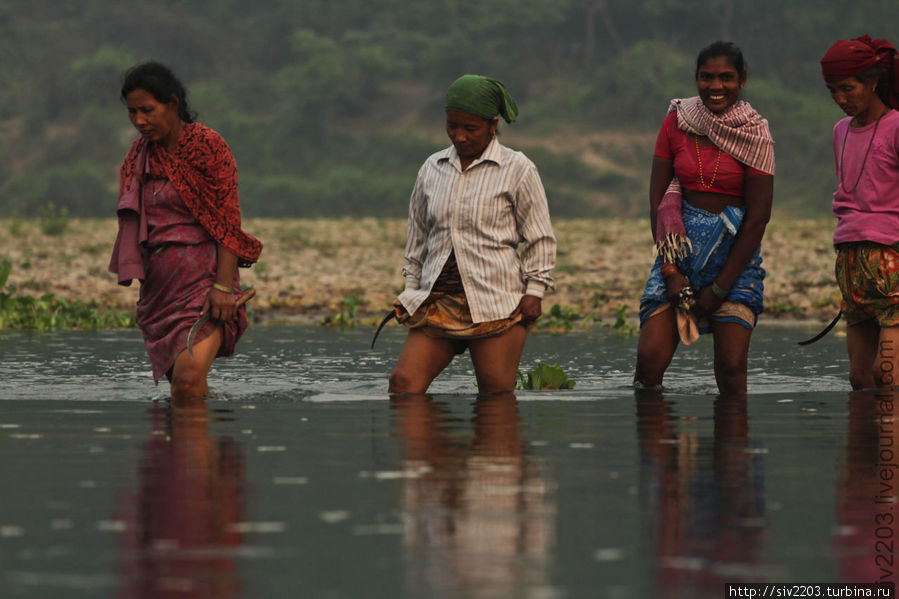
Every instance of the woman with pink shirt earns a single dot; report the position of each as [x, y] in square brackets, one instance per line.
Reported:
[863, 80]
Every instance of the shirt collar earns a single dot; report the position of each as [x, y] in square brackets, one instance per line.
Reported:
[492, 153]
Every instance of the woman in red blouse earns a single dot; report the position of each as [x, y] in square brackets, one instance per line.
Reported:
[710, 196]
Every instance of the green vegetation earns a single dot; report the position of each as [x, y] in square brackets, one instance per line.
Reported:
[545, 376]
[50, 312]
[330, 107]
[562, 320]
[347, 317]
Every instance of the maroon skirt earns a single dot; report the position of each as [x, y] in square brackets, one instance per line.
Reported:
[178, 279]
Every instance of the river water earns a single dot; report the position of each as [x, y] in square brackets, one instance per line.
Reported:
[302, 479]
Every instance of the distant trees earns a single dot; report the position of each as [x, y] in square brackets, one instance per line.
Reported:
[330, 107]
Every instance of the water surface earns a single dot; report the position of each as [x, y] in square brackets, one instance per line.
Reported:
[303, 480]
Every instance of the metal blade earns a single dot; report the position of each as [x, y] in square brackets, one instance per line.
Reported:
[203, 319]
[390, 315]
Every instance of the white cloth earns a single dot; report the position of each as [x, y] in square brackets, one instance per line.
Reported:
[494, 215]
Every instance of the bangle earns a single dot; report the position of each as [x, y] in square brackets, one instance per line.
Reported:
[718, 291]
[222, 288]
[669, 269]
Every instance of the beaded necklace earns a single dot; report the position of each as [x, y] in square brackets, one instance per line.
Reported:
[864, 160]
[699, 160]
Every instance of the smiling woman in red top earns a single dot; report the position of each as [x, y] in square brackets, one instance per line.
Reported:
[710, 198]
[179, 232]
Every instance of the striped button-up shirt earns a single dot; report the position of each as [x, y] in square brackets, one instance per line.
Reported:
[484, 214]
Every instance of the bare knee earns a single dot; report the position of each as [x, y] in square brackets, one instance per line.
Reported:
[650, 368]
[730, 373]
[189, 384]
[400, 381]
[882, 375]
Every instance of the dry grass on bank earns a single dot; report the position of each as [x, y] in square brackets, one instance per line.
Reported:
[309, 267]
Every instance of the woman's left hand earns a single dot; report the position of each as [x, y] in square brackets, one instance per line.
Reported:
[221, 305]
[706, 302]
[530, 307]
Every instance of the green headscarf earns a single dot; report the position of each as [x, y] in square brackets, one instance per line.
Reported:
[481, 96]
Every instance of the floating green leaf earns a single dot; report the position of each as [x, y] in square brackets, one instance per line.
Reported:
[545, 376]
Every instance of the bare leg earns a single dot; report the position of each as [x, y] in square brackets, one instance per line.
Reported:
[885, 369]
[189, 373]
[496, 359]
[861, 345]
[420, 361]
[731, 357]
[655, 348]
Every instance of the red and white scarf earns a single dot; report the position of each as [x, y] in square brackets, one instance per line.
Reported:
[740, 131]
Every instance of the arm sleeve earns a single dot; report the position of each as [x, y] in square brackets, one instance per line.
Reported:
[663, 140]
[416, 233]
[538, 253]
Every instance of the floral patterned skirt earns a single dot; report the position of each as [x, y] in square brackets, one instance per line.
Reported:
[868, 276]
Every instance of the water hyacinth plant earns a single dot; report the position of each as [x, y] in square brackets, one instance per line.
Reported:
[545, 376]
[50, 312]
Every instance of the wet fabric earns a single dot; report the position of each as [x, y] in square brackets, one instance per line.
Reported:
[847, 58]
[178, 277]
[712, 237]
[868, 276]
[481, 96]
[204, 173]
[446, 316]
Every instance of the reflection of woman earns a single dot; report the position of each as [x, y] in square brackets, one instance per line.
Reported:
[179, 231]
[706, 497]
[866, 493]
[467, 284]
[863, 78]
[182, 536]
[478, 518]
[710, 200]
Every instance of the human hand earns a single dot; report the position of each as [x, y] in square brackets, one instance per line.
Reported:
[706, 302]
[675, 284]
[221, 305]
[530, 307]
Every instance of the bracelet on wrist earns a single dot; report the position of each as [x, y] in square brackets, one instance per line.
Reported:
[669, 269]
[718, 291]
[223, 288]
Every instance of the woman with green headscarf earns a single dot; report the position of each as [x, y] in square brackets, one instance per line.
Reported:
[479, 248]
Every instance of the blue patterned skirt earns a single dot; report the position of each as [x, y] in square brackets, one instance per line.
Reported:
[712, 237]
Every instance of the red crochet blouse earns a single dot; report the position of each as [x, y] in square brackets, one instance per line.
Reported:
[679, 147]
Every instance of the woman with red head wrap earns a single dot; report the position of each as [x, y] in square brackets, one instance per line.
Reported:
[861, 75]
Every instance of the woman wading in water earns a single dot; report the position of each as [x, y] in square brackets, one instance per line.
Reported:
[863, 78]
[710, 196]
[179, 232]
[479, 248]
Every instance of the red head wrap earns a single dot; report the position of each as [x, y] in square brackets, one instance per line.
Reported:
[850, 57]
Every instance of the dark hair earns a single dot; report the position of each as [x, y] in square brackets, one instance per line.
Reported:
[160, 82]
[728, 50]
[876, 74]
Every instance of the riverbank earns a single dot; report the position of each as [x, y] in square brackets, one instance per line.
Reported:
[314, 271]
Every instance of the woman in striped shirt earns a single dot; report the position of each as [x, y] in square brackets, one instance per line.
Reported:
[479, 248]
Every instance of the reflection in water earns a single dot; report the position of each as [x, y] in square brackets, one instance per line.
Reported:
[479, 517]
[867, 534]
[706, 497]
[180, 537]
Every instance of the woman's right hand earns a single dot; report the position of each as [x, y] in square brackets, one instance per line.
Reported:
[674, 284]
